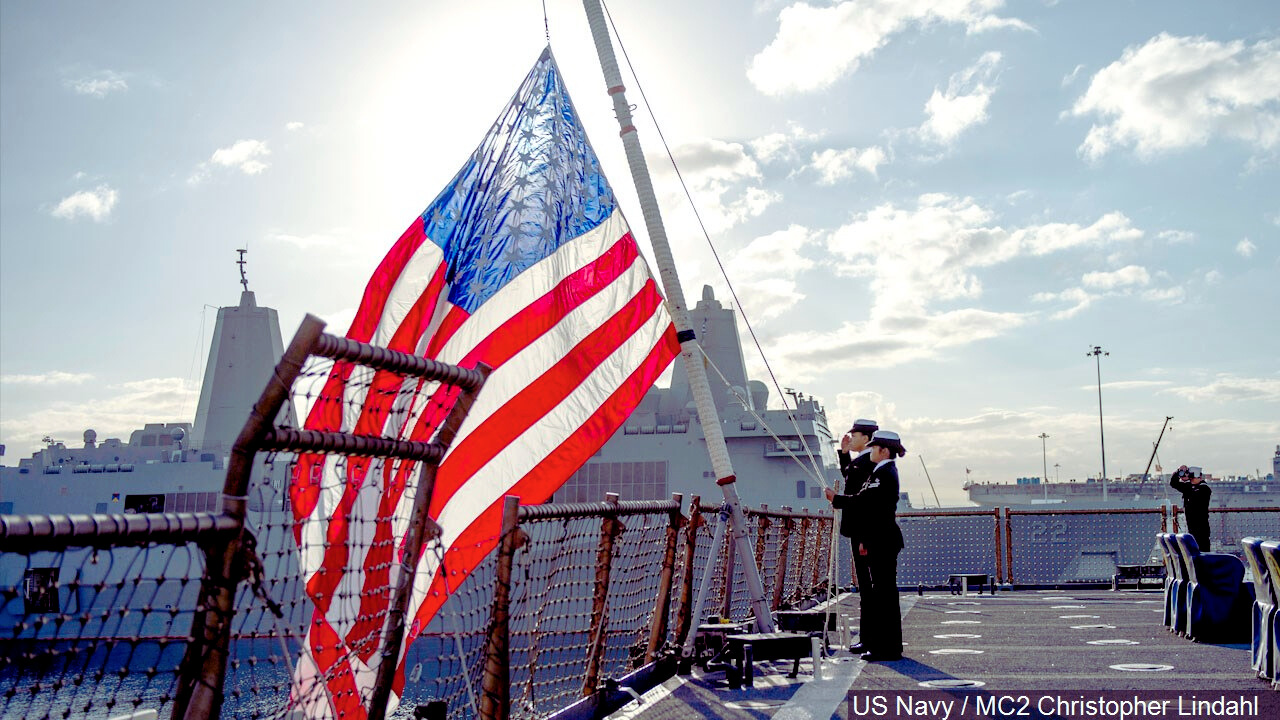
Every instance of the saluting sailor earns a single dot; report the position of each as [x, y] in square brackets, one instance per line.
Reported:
[880, 541]
[856, 467]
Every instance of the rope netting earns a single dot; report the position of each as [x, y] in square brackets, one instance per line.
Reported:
[89, 632]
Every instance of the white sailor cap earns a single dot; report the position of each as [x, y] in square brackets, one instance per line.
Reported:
[866, 427]
[889, 440]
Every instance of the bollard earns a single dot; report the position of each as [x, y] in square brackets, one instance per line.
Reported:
[815, 650]
[748, 666]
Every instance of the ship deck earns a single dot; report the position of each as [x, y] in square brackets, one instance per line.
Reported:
[1025, 652]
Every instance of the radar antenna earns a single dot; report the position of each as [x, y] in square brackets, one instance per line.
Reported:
[243, 279]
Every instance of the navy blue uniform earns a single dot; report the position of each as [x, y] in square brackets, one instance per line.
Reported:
[1195, 504]
[879, 533]
[856, 470]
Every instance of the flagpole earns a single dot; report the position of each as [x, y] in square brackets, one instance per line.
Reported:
[698, 383]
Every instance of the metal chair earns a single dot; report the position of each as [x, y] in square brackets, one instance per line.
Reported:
[1261, 658]
[1271, 556]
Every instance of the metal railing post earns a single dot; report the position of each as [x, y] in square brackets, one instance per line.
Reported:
[784, 551]
[662, 606]
[764, 522]
[684, 618]
[819, 534]
[800, 561]
[610, 528]
[203, 669]
[730, 563]
[420, 531]
[495, 697]
[1008, 543]
[999, 548]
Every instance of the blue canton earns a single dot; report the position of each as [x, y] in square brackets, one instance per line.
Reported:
[532, 185]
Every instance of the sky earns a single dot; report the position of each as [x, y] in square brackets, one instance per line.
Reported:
[930, 212]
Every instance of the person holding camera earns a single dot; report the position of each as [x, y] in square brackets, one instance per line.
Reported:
[856, 467]
[1195, 502]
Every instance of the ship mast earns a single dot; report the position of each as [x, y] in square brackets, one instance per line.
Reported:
[708, 417]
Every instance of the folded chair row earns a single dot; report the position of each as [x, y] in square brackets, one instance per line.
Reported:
[1263, 557]
[1206, 598]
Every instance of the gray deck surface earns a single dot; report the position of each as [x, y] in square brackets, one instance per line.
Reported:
[1031, 643]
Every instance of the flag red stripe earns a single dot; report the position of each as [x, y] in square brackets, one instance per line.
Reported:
[379, 398]
[544, 313]
[545, 478]
[384, 280]
[531, 322]
[504, 342]
[529, 406]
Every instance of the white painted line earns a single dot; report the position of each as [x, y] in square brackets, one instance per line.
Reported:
[646, 701]
[819, 698]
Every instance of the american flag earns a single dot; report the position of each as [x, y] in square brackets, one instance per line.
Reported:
[523, 262]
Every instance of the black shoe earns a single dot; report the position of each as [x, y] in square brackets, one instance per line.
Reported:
[880, 657]
[857, 648]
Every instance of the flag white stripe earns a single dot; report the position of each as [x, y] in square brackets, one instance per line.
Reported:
[508, 467]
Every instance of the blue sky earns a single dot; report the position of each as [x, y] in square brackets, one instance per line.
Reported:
[930, 211]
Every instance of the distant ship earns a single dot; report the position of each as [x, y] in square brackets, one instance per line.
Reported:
[164, 466]
[1131, 492]
[181, 466]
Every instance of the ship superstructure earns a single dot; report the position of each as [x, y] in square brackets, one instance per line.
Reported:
[164, 466]
[661, 448]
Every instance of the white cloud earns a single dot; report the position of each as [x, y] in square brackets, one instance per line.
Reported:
[781, 145]
[334, 239]
[1227, 388]
[95, 204]
[247, 156]
[1129, 385]
[816, 46]
[1213, 277]
[886, 341]
[769, 266]
[1246, 248]
[128, 406]
[98, 84]
[54, 377]
[915, 256]
[1129, 275]
[963, 105]
[1178, 92]
[1176, 236]
[1079, 298]
[294, 126]
[836, 165]
[720, 177]
[1070, 77]
[1173, 294]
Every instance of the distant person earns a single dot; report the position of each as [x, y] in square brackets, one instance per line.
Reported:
[856, 467]
[1195, 502]
[880, 542]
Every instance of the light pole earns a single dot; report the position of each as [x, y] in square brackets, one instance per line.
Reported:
[1097, 354]
[1044, 458]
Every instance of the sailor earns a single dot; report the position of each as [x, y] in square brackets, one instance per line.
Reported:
[856, 467]
[1195, 502]
[880, 541]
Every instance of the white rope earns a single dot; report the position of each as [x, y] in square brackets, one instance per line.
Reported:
[781, 444]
